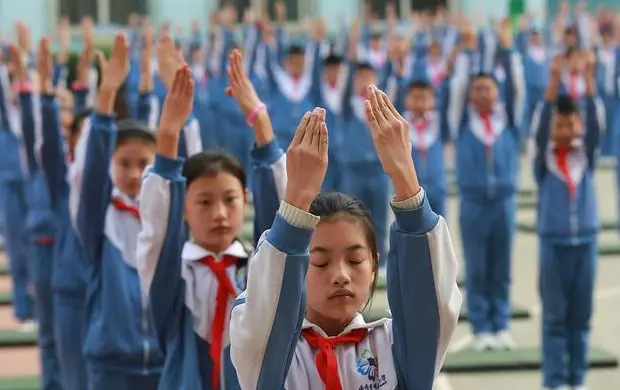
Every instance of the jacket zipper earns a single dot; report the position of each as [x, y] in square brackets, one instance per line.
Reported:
[574, 220]
[490, 172]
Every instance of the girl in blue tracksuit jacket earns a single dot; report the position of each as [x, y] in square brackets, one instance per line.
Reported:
[13, 202]
[120, 346]
[191, 283]
[68, 278]
[487, 137]
[40, 223]
[297, 326]
[564, 160]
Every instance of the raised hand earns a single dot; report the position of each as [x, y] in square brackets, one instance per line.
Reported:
[390, 134]
[320, 30]
[115, 69]
[146, 76]
[306, 160]
[16, 62]
[504, 31]
[176, 112]
[241, 89]
[45, 66]
[169, 60]
[84, 66]
[557, 65]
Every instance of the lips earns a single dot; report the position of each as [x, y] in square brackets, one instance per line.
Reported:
[220, 230]
[342, 293]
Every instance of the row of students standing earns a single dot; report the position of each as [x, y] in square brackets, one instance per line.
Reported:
[153, 338]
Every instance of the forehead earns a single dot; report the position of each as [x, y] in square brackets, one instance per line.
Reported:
[341, 233]
[220, 182]
[135, 148]
[483, 81]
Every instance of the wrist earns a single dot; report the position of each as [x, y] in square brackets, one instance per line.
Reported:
[252, 116]
[301, 201]
[405, 182]
[263, 133]
[105, 101]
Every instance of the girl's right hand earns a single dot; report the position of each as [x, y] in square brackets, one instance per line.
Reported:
[176, 111]
[306, 160]
[45, 66]
[241, 88]
[114, 71]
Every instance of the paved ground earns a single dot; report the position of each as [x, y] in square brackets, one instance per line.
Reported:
[606, 325]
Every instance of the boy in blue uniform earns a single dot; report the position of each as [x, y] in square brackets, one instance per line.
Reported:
[564, 162]
[487, 140]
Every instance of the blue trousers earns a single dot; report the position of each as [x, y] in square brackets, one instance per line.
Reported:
[486, 230]
[41, 256]
[608, 147]
[369, 184]
[567, 275]
[69, 333]
[13, 203]
[102, 379]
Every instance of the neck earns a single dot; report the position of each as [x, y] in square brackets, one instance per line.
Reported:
[331, 326]
[418, 114]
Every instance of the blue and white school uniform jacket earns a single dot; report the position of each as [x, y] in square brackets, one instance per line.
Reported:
[487, 166]
[405, 352]
[563, 218]
[182, 292]
[427, 151]
[11, 151]
[119, 335]
[69, 271]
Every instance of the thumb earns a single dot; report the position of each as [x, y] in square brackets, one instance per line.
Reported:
[101, 60]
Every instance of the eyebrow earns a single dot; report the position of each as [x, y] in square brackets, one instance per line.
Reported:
[351, 248]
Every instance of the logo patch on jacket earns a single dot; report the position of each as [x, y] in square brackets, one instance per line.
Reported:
[368, 366]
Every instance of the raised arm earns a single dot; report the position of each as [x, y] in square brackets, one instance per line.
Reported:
[147, 102]
[595, 112]
[160, 243]
[268, 160]
[90, 180]
[421, 256]
[541, 120]
[266, 318]
[515, 87]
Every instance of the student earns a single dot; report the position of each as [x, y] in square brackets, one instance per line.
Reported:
[428, 133]
[573, 82]
[564, 164]
[363, 177]
[120, 347]
[535, 66]
[487, 143]
[297, 324]
[328, 83]
[191, 284]
[289, 87]
[41, 224]
[68, 263]
[13, 203]
[607, 60]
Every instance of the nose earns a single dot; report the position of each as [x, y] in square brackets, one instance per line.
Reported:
[219, 211]
[340, 274]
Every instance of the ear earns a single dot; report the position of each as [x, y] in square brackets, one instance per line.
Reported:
[246, 197]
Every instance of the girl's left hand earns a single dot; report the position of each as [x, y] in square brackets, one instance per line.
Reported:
[390, 133]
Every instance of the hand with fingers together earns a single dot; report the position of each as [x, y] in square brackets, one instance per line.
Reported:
[176, 111]
[114, 70]
[241, 88]
[45, 67]
[390, 134]
[306, 160]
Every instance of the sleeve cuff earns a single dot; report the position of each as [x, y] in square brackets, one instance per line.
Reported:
[267, 154]
[171, 169]
[292, 230]
[415, 220]
[413, 203]
[298, 217]
[104, 122]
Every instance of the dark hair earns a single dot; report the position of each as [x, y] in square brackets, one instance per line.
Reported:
[572, 50]
[482, 75]
[78, 119]
[332, 59]
[419, 84]
[565, 105]
[332, 206]
[295, 51]
[570, 30]
[129, 130]
[376, 35]
[211, 162]
[364, 66]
